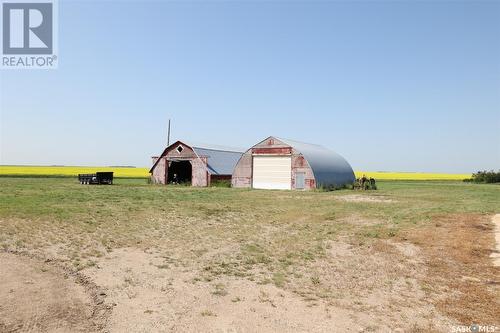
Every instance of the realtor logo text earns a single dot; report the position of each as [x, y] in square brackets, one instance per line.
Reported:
[29, 34]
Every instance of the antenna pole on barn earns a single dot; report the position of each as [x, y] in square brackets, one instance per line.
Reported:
[168, 134]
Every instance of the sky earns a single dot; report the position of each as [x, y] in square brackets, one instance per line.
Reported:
[391, 86]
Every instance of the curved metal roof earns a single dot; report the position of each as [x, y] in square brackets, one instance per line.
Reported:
[329, 168]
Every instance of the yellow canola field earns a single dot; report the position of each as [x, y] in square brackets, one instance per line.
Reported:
[143, 172]
[70, 171]
[412, 175]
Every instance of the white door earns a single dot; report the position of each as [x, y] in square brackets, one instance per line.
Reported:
[272, 172]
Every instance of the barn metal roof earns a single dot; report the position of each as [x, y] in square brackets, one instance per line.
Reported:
[219, 162]
[329, 168]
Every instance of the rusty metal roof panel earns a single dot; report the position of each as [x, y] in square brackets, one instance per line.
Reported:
[329, 168]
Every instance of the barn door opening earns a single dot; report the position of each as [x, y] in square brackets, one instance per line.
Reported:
[179, 172]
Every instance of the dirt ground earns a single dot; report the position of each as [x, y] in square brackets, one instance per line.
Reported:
[364, 198]
[146, 296]
[379, 288]
[39, 297]
[398, 286]
[149, 298]
[496, 254]
[461, 276]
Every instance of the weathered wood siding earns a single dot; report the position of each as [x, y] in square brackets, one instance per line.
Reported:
[159, 172]
[199, 176]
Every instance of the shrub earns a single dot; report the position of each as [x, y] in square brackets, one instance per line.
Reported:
[221, 183]
[487, 177]
[333, 187]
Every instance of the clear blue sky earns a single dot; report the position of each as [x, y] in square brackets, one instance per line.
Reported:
[403, 86]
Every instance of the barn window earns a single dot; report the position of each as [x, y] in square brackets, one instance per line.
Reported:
[180, 149]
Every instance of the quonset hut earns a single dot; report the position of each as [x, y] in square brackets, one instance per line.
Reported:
[277, 163]
[195, 165]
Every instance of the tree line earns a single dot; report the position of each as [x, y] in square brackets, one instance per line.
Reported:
[485, 177]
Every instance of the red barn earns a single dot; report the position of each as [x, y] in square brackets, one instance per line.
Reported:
[196, 165]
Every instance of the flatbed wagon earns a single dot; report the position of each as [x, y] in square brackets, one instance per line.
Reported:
[98, 178]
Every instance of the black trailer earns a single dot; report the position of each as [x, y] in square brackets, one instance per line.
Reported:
[98, 178]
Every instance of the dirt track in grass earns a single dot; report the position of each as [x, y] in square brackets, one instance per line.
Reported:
[461, 278]
[39, 297]
[496, 254]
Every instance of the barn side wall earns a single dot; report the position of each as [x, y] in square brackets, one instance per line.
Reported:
[242, 175]
[299, 164]
[200, 175]
[159, 172]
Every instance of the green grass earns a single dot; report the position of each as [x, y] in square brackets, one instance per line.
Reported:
[226, 231]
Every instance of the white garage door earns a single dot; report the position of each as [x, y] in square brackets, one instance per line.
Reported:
[272, 172]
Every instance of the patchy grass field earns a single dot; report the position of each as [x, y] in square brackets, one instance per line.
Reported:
[381, 175]
[412, 256]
